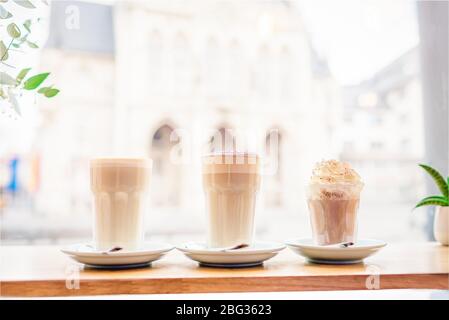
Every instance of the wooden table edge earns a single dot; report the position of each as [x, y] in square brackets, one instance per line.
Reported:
[91, 287]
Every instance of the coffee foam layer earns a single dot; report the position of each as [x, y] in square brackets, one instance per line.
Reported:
[333, 171]
[231, 163]
[334, 180]
[121, 162]
[119, 178]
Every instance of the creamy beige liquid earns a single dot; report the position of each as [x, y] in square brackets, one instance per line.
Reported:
[231, 184]
[333, 221]
[120, 188]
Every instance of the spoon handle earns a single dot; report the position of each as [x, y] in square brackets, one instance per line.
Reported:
[237, 247]
[341, 244]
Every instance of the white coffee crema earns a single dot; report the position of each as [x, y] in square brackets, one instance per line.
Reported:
[231, 183]
[120, 190]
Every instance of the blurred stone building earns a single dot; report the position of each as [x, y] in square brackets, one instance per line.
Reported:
[382, 131]
[160, 79]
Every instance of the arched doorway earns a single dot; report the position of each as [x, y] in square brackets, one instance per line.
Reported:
[236, 72]
[182, 65]
[156, 63]
[285, 77]
[264, 72]
[213, 73]
[222, 140]
[166, 172]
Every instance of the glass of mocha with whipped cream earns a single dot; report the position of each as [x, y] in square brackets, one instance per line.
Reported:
[333, 196]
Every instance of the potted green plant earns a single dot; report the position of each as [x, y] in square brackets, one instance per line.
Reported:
[441, 221]
[16, 38]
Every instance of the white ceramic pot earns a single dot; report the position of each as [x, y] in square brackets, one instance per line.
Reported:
[441, 225]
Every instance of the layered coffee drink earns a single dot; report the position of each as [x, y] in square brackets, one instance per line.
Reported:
[120, 189]
[231, 182]
[333, 196]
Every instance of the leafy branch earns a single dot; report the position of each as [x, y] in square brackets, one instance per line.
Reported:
[19, 35]
[443, 186]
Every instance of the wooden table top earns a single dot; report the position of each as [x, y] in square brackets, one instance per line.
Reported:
[45, 271]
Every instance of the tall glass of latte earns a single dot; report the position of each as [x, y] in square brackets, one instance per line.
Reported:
[120, 190]
[231, 182]
[333, 199]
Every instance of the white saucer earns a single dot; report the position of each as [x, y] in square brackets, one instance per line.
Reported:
[335, 254]
[251, 256]
[86, 254]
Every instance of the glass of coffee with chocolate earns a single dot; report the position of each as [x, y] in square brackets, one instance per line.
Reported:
[333, 196]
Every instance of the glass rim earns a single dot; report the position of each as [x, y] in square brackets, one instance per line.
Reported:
[121, 162]
[231, 154]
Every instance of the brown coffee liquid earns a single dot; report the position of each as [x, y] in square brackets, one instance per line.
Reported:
[333, 221]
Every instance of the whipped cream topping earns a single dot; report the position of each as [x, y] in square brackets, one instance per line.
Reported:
[334, 172]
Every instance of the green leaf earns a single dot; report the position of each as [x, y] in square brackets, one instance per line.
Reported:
[6, 79]
[2, 93]
[13, 30]
[15, 45]
[32, 44]
[3, 52]
[43, 89]
[438, 198]
[35, 81]
[50, 93]
[432, 202]
[4, 14]
[27, 25]
[22, 74]
[25, 4]
[439, 180]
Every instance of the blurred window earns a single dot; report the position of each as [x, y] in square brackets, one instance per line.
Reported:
[222, 140]
[264, 72]
[156, 61]
[182, 66]
[237, 71]
[285, 74]
[166, 174]
[273, 180]
[213, 75]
